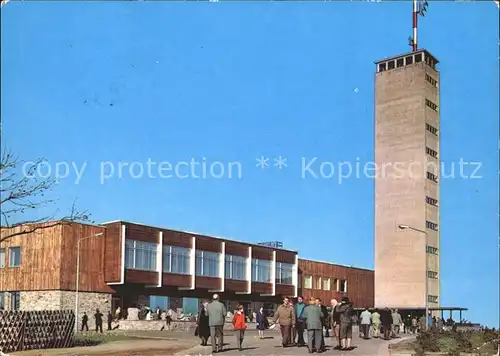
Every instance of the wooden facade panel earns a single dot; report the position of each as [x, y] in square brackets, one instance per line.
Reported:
[141, 277]
[208, 244]
[92, 266]
[208, 283]
[113, 252]
[231, 285]
[141, 233]
[262, 253]
[178, 280]
[262, 288]
[236, 249]
[285, 290]
[360, 282]
[40, 267]
[176, 238]
[285, 256]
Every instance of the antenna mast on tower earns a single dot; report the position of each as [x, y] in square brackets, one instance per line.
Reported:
[419, 8]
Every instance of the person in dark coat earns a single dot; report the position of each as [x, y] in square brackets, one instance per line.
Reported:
[110, 319]
[386, 320]
[98, 320]
[203, 325]
[85, 320]
[261, 322]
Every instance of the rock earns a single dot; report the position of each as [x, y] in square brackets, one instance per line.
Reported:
[133, 314]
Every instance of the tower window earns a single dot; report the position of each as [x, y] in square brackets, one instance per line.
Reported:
[432, 274]
[431, 152]
[390, 65]
[432, 177]
[431, 201]
[382, 67]
[431, 225]
[431, 129]
[431, 80]
[409, 60]
[432, 298]
[432, 250]
[430, 104]
[418, 58]
[400, 62]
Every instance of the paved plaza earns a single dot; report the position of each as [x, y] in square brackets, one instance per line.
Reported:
[271, 345]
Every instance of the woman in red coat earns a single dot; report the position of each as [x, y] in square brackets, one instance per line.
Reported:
[240, 326]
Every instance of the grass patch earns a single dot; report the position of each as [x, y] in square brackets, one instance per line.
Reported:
[94, 339]
[478, 342]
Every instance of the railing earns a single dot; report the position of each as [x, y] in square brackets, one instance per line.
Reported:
[28, 330]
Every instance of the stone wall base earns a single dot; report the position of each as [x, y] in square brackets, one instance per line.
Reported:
[65, 300]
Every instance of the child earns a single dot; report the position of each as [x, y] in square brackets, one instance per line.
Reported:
[239, 325]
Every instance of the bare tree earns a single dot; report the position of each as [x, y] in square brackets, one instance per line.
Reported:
[23, 191]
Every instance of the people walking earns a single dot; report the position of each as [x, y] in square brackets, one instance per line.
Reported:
[386, 320]
[313, 316]
[346, 312]
[110, 320]
[376, 323]
[239, 326]
[216, 318]
[285, 317]
[98, 320]
[85, 321]
[366, 320]
[396, 323]
[335, 322]
[203, 326]
[117, 313]
[261, 322]
[300, 321]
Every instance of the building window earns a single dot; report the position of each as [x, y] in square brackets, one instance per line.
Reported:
[308, 282]
[400, 62]
[432, 226]
[343, 286]
[382, 67]
[432, 274]
[431, 152]
[409, 60]
[335, 285]
[432, 177]
[326, 284]
[431, 80]
[261, 271]
[140, 255]
[390, 65]
[2, 257]
[431, 201]
[318, 283]
[15, 298]
[418, 58]
[431, 129]
[207, 263]
[284, 273]
[236, 268]
[176, 259]
[430, 104]
[432, 298]
[432, 250]
[14, 256]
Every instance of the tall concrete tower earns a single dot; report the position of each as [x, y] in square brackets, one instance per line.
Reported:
[407, 134]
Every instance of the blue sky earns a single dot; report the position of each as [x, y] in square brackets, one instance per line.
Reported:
[121, 81]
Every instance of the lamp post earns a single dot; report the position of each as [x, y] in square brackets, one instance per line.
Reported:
[78, 274]
[408, 227]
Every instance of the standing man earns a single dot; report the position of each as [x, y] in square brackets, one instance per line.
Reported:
[376, 323]
[346, 312]
[324, 312]
[98, 320]
[216, 318]
[110, 319]
[285, 316]
[314, 322]
[396, 323]
[85, 320]
[300, 324]
[335, 321]
[366, 320]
